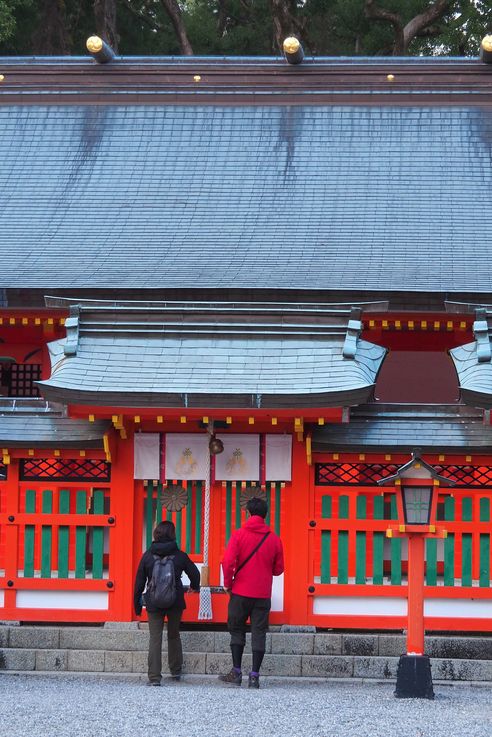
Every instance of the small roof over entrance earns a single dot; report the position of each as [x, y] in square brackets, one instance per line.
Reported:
[213, 355]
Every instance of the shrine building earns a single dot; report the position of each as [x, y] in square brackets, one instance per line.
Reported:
[286, 263]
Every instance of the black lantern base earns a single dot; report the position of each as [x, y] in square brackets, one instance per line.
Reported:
[414, 678]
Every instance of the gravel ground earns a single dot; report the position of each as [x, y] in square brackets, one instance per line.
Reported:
[200, 706]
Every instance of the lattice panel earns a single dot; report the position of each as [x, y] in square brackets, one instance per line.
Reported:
[22, 378]
[59, 469]
[366, 474]
[358, 474]
[3, 471]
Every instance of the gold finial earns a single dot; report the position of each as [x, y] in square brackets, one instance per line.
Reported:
[487, 42]
[390, 77]
[94, 44]
[196, 78]
[291, 45]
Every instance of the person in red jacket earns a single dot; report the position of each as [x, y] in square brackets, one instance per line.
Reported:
[253, 556]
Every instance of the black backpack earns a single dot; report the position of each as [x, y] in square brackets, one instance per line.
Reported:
[161, 589]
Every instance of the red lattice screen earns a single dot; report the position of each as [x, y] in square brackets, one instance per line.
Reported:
[59, 469]
[366, 474]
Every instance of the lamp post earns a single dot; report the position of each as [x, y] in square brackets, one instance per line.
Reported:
[416, 484]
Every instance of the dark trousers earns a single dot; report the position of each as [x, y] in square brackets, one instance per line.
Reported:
[174, 649]
[258, 610]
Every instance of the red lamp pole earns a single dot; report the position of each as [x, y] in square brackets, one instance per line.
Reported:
[416, 557]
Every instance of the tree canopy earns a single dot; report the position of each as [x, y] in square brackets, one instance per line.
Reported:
[246, 27]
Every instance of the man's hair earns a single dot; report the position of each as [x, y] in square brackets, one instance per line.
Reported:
[257, 506]
[164, 532]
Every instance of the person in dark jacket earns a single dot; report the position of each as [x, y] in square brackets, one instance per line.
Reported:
[164, 545]
[253, 556]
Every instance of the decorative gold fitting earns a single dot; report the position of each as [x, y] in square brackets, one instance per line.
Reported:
[197, 78]
[390, 77]
[94, 44]
[2, 77]
[487, 42]
[291, 44]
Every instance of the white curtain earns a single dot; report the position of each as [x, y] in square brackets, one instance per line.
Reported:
[187, 456]
[146, 455]
[240, 460]
[278, 457]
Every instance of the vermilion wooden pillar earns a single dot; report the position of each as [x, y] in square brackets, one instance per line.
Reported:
[122, 534]
[298, 556]
[11, 487]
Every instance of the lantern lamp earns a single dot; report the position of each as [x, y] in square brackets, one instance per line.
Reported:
[417, 504]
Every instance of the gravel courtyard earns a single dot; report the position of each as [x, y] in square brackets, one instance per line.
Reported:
[68, 706]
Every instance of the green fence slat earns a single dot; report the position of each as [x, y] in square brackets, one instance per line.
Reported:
[378, 544]
[342, 557]
[431, 562]
[63, 534]
[395, 547]
[278, 502]
[29, 533]
[228, 518]
[80, 536]
[238, 504]
[449, 543]
[149, 513]
[360, 541]
[159, 511]
[467, 544]
[325, 556]
[484, 579]
[179, 526]
[268, 499]
[189, 516]
[343, 507]
[98, 536]
[46, 535]
[326, 506]
[198, 517]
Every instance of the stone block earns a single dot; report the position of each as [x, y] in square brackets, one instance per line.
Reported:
[139, 663]
[280, 665]
[292, 644]
[360, 645]
[194, 663]
[51, 660]
[85, 660]
[4, 636]
[217, 663]
[222, 643]
[392, 646]
[118, 661]
[36, 638]
[327, 644]
[461, 670]
[448, 648]
[377, 667]
[297, 628]
[90, 638]
[326, 666]
[121, 626]
[199, 642]
[17, 659]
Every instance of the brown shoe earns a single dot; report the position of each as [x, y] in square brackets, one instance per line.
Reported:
[233, 677]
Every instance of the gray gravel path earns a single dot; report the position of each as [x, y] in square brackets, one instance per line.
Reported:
[68, 706]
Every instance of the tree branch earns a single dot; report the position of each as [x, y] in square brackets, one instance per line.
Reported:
[416, 25]
[373, 12]
[176, 17]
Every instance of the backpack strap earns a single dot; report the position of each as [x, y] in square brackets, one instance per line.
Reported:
[251, 554]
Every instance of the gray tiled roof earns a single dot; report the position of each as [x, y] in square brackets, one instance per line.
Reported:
[133, 356]
[406, 427]
[48, 431]
[475, 378]
[316, 197]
